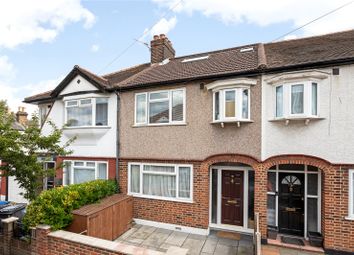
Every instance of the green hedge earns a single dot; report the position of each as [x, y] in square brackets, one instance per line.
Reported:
[54, 207]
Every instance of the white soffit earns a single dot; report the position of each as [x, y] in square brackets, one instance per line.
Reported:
[220, 84]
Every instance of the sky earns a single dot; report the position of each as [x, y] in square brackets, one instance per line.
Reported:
[41, 40]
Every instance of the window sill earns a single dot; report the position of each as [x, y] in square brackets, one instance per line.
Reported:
[161, 198]
[287, 120]
[87, 127]
[237, 122]
[159, 125]
[351, 218]
[94, 132]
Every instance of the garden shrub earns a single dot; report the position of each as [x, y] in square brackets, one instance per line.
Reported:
[54, 207]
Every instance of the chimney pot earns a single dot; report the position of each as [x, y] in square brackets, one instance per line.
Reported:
[161, 49]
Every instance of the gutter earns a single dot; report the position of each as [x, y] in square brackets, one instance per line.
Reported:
[117, 138]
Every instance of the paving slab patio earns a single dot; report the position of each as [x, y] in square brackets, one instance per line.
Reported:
[161, 240]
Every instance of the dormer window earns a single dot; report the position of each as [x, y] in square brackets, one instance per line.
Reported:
[296, 100]
[86, 112]
[231, 104]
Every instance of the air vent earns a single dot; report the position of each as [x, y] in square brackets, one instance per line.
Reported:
[194, 59]
[246, 49]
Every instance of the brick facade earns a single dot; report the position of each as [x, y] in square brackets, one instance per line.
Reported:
[337, 231]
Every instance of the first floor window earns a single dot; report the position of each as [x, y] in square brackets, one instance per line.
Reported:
[83, 171]
[297, 99]
[161, 107]
[279, 101]
[351, 194]
[161, 181]
[87, 112]
[231, 104]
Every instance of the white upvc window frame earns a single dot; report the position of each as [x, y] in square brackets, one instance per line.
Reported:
[169, 98]
[287, 100]
[93, 108]
[351, 195]
[238, 104]
[175, 173]
[72, 162]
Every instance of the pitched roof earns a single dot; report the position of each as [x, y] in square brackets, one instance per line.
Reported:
[253, 59]
[39, 97]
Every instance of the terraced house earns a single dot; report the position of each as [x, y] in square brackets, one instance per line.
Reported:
[204, 141]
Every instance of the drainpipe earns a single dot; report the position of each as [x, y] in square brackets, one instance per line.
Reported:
[117, 138]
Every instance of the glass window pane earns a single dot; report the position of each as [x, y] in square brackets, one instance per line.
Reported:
[90, 164]
[312, 168]
[217, 106]
[250, 199]
[245, 103]
[295, 167]
[184, 179]
[85, 101]
[279, 101]
[102, 171]
[159, 95]
[83, 175]
[271, 187]
[159, 185]
[177, 105]
[141, 108]
[271, 210]
[71, 103]
[312, 184]
[214, 195]
[297, 99]
[78, 163]
[101, 111]
[230, 103]
[312, 214]
[79, 116]
[159, 112]
[162, 169]
[135, 178]
[67, 172]
[314, 99]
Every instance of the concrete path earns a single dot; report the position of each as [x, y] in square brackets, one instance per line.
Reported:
[161, 239]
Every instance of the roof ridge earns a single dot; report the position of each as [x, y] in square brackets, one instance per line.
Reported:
[312, 36]
[124, 69]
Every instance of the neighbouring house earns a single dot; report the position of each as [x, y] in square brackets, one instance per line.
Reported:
[204, 141]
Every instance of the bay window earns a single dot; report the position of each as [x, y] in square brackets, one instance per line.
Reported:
[160, 107]
[296, 100]
[83, 171]
[231, 104]
[86, 112]
[162, 181]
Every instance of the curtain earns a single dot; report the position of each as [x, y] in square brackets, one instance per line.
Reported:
[184, 182]
[162, 169]
[159, 185]
[135, 178]
[102, 171]
[245, 104]
[101, 112]
[141, 108]
[230, 103]
[83, 175]
[297, 99]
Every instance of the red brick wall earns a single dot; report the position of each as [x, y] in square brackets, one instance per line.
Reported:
[111, 165]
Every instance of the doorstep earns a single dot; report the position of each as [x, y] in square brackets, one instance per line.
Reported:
[307, 248]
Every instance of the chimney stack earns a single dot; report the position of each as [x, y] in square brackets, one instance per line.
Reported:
[21, 116]
[161, 49]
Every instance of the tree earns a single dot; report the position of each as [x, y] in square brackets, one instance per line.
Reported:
[19, 150]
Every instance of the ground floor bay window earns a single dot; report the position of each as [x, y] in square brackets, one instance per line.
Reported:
[161, 181]
[294, 199]
[232, 197]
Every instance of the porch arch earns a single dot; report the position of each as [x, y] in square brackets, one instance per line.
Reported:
[230, 158]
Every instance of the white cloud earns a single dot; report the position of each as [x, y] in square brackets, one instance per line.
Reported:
[264, 13]
[23, 22]
[95, 47]
[163, 26]
[7, 69]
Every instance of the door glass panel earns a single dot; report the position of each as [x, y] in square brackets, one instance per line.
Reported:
[312, 214]
[271, 187]
[251, 199]
[214, 195]
[312, 184]
[271, 210]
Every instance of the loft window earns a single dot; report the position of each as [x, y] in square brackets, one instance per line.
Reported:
[86, 112]
[231, 104]
[161, 107]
